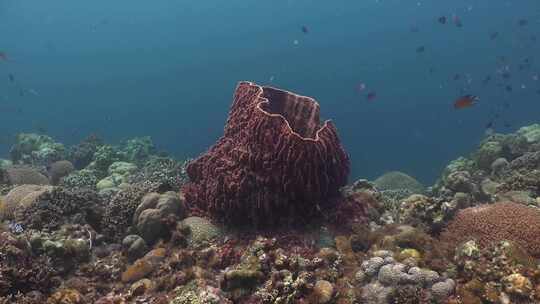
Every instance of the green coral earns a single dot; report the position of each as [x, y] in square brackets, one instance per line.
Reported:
[138, 149]
[104, 157]
[84, 178]
[36, 149]
[398, 180]
[531, 133]
[488, 152]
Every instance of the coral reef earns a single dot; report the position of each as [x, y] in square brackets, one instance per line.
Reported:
[36, 150]
[82, 154]
[58, 206]
[275, 161]
[470, 238]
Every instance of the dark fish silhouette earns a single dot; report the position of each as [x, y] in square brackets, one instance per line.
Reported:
[493, 35]
[506, 75]
[489, 124]
[508, 88]
[442, 19]
[457, 77]
[371, 96]
[305, 30]
[523, 22]
[420, 49]
[11, 78]
[457, 21]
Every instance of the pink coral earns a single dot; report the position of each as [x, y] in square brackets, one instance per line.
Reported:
[274, 160]
[489, 224]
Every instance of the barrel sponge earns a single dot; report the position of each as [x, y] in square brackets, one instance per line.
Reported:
[275, 161]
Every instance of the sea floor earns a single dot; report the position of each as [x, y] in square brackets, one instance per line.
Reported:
[102, 223]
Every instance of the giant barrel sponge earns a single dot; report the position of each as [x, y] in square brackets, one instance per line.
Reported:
[274, 163]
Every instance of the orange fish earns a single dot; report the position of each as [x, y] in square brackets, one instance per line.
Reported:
[3, 56]
[465, 101]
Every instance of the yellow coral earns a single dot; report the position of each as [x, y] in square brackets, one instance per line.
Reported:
[137, 271]
[2, 208]
[65, 296]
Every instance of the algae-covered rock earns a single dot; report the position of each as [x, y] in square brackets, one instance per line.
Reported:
[488, 152]
[149, 217]
[398, 180]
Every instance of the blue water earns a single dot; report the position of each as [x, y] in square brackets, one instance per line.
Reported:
[168, 69]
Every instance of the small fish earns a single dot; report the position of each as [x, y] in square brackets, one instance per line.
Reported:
[3, 56]
[11, 77]
[493, 35]
[457, 77]
[361, 86]
[465, 101]
[523, 22]
[304, 29]
[420, 49]
[489, 125]
[506, 75]
[457, 21]
[442, 19]
[371, 96]
[508, 88]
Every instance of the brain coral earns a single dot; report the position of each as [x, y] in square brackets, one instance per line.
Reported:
[21, 175]
[275, 160]
[20, 195]
[492, 223]
[398, 180]
[60, 169]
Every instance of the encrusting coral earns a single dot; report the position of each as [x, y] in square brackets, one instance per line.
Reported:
[488, 224]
